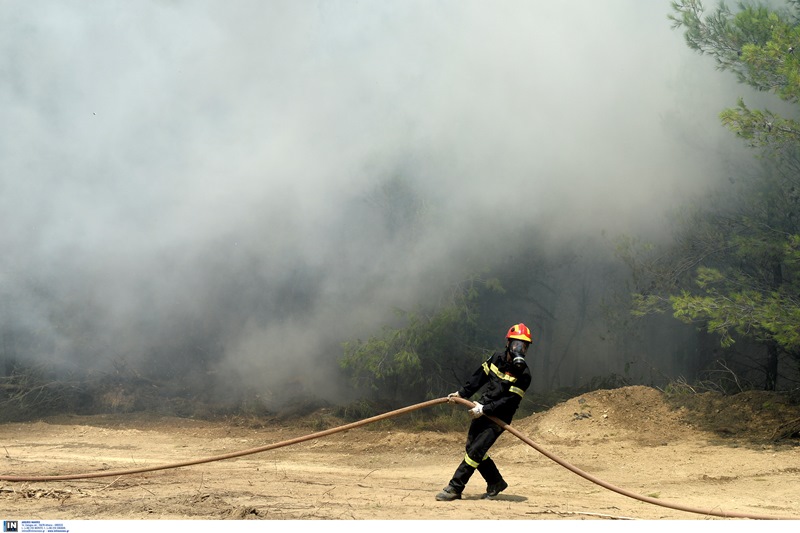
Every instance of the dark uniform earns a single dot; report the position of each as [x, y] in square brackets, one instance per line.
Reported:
[506, 384]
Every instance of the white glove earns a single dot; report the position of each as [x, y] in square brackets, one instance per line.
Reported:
[453, 395]
[476, 411]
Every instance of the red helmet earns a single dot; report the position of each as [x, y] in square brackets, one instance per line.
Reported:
[519, 331]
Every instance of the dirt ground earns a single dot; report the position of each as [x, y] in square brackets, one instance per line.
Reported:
[709, 453]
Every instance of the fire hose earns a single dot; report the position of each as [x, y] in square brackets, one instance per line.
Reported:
[391, 414]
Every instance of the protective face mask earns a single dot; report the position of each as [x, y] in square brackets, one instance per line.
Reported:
[518, 349]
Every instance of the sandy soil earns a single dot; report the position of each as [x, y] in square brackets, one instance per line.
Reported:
[713, 454]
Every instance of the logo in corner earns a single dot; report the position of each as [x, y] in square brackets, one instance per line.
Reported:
[11, 526]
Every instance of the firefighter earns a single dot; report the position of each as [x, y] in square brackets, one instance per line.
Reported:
[506, 377]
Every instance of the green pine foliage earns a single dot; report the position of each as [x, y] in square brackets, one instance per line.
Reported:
[762, 47]
[425, 356]
[735, 269]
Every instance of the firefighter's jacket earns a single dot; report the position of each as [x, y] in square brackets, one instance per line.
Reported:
[506, 386]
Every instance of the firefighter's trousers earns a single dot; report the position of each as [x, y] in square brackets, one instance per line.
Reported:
[482, 434]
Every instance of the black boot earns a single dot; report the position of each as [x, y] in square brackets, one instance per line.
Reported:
[448, 494]
[494, 489]
[456, 486]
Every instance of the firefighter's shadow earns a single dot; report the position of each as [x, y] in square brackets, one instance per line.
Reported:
[501, 498]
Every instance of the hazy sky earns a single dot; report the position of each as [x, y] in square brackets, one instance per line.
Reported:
[208, 174]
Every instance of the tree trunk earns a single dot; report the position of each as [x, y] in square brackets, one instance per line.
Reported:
[7, 353]
[772, 366]
[772, 346]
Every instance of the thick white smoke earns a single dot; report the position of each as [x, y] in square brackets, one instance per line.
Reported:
[265, 179]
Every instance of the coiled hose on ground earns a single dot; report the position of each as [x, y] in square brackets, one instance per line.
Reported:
[391, 414]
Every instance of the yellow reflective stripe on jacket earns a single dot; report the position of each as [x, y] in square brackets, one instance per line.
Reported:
[485, 366]
[517, 390]
[470, 462]
[501, 375]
